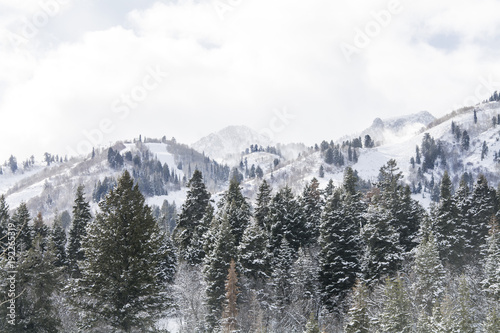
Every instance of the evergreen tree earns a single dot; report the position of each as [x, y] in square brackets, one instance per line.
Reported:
[429, 273]
[358, 320]
[312, 205]
[329, 189]
[464, 320]
[396, 316]
[217, 263]
[446, 225]
[321, 173]
[340, 246]
[491, 283]
[286, 220]
[20, 220]
[253, 253]
[261, 213]
[465, 140]
[58, 236]
[120, 287]
[81, 218]
[329, 158]
[382, 256]
[234, 206]
[483, 208]
[168, 260]
[191, 225]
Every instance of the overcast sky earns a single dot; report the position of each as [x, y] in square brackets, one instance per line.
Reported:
[77, 73]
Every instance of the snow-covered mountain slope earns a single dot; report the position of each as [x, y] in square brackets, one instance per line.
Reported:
[227, 144]
[398, 129]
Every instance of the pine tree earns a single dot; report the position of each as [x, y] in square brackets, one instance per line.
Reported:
[465, 140]
[358, 320]
[20, 220]
[464, 320]
[234, 206]
[446, 222]
[286, 220]
[312, 205]
[261, 213]
[483, 208]
[168, 260]
[216, 265]
[120, 287]
[383, 253]
[58, 237]
[37, 280]
[190, 227]
[396, 316]
[81, 218]
[491, 283]
[429, 272]
[253, 253]
[230, 314]
[40, 229]
[340, 246]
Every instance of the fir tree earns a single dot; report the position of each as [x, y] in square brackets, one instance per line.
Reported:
[396, 316]
[81, 218]
[20, 220]
[253, 253]
[446, 225]
[358, 320]
[286, 220]
[58, 236]
[312, 205]
[261, 213]
[340, 246]
[429, 273]
[491, 283]
[465, 140]
[191, 225]
[382, 256]
[217, 263]
[121, 272]
[4, 220]
[236, 209]
[167, 265]
[37, 280]
[484, 202]
[464, 321]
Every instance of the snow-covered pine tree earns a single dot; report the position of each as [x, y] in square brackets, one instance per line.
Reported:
[191, 225]
[120, 287]
[167, 265]
[216, 265]
[358, 319]
[253, 253]
[286, 220]
[396, 316]
[20, 220]
[491, 283]
[382, 256]
[483, 208]
[463, 203]
[429, 271]
[261, 213]
[446, 225]
[312, 205]
[58, 236]
[340, 243]
[81, 218]
[234, 206]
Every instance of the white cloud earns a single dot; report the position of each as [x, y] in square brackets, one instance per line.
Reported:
[262, 56]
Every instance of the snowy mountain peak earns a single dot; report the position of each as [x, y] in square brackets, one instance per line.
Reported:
[398, 129]
[229, 142]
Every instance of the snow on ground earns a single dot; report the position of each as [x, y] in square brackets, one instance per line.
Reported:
[178, 196]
